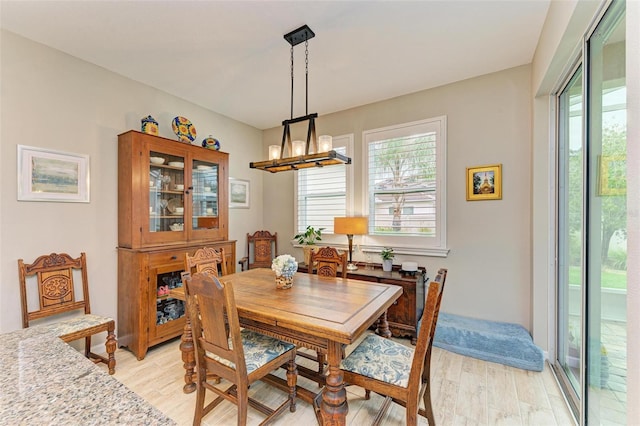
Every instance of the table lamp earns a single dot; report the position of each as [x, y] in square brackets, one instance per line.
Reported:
[350, 226]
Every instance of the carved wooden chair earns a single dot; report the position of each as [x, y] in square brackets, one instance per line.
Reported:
[53, 277]
[207, 260]
[262, 247]
[328, 262]
[240, 356]
[398, 372]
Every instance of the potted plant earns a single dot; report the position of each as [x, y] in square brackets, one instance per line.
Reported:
[308, 239]
[387, 256]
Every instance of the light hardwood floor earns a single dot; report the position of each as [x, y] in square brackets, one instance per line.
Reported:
[465, 391]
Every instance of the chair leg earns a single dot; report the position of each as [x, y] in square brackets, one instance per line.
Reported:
[87, 347]
[321, 361]
[428, 407]
[200, 394]
[292, 381]
[111, 345]
[242, 395]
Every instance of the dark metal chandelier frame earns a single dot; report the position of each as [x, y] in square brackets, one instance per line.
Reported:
[317, 159]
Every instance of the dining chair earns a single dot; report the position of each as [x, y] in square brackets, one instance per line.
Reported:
[53, 277]
[207, 259]
[328, 262]
[399, 373]
[262, 247]
[240, 356]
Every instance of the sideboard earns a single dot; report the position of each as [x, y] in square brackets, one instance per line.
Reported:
[404, 314]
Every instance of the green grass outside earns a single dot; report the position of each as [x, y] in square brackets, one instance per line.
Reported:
[610, 278]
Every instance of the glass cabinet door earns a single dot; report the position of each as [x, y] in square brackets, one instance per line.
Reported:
[166, 193]
[204, 185]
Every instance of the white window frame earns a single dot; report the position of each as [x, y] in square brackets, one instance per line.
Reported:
[411, 245]
[338, 141]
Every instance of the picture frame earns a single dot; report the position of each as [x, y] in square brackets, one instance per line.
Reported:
[54, 176]
[239, 193]
[484, 183]
[612, 175]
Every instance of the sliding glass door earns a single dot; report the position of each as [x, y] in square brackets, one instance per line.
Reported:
[571, 235]
[592, 227]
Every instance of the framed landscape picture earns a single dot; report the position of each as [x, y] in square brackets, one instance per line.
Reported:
[238, 193]
[484, 183]
[48, 175]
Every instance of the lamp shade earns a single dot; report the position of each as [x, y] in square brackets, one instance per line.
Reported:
[350, 225]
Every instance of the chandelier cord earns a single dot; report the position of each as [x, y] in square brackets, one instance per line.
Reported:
[292, 82]
[306, 77]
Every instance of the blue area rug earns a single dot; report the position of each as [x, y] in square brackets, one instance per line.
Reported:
[500, 342]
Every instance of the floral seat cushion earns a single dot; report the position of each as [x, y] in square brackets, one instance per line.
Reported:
[381, 359]
[74, 324]
[259, 349]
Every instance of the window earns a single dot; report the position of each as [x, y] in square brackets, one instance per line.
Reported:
[405, 174]
[322, 191]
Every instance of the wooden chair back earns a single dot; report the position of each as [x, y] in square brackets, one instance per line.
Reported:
[214, 321]
[329, 262]
[220, 350]
[55, 284]
[418, 387]
[262, 247]
[207, 260]
[53, 276]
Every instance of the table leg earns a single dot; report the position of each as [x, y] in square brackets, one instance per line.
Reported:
[333, 408]
[383, 326]
[188, 356]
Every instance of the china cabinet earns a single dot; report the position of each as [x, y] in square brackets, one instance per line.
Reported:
[172, 200]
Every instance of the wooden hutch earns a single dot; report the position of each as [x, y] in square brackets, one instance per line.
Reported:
[172, 199]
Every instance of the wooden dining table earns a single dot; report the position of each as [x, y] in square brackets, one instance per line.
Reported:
[319, 313]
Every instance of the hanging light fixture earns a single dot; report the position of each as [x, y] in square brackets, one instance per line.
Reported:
[302, 155]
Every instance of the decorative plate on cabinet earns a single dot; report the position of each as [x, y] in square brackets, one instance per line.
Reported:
[184, 129]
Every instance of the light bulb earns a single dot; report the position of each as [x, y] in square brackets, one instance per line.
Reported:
[298, 148]
[274, 152]
[325, 143]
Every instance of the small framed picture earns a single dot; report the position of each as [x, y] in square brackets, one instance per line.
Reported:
[484, 183]
[238, 193]
[48, 175]
[612, 175]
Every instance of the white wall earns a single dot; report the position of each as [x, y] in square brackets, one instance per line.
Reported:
[52, 100]
[488, 120]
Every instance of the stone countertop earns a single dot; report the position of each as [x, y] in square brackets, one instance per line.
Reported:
[47, 382]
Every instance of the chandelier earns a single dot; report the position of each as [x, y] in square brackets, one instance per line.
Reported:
[301, 155]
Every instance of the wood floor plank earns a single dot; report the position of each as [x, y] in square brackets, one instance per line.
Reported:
[465, 391]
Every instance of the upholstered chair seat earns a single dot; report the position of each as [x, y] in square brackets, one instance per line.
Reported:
[381, 359]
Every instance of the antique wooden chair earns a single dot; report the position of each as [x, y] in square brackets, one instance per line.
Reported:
[207, 260]
[224, 350]
[262, 247]
[398, 372]
[54, 279]
[328, 262]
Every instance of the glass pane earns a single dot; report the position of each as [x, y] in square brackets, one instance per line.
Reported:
[402, 174]
[168, 308]
[205, 186]
[607, 223]
[570, 233]
[166, 192]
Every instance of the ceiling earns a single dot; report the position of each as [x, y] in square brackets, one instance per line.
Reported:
[231, 57]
